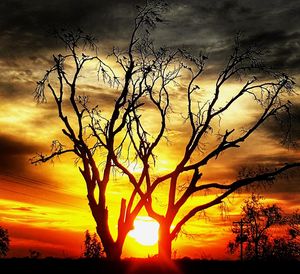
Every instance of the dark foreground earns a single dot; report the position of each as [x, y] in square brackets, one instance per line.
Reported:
[143, 266]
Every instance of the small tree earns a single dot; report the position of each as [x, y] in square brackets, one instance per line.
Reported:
[92, 246]
[4, 242]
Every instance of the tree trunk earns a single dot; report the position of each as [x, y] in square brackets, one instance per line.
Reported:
[114, 252]
[255, 242]
[164, 242]
[112, 249]
[256, 250]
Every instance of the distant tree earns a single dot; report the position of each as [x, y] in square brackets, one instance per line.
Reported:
[287, 247]
[34, 254]
[259, 241]
[259, 218]
[4, 242]
[284, 249]
[294, 225]
[92, 246]
[106, 143]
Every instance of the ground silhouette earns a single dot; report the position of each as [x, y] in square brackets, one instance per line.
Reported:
[143, 266]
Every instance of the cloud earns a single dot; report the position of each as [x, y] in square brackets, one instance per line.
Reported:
[26, 209]
[287, 182]
[211, 26]
[279, 129]
[15, 153]
[282, 47]
[27, 24]
[51, 242]
[206, 25]
[11, 145]
[12, 91]
[24, 24]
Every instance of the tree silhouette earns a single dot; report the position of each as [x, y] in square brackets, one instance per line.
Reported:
[294, 224]
[4, 242]
[92, 246]
[284, 249]
[125, 138]
[260, 243]
[258, 219]
[34, 254]
[288, 248]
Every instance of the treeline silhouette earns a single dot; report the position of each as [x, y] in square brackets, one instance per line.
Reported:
[144, 266]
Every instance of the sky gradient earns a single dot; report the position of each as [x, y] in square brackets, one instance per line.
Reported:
[44, 207]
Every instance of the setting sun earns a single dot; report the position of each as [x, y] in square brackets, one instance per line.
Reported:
[145, 231]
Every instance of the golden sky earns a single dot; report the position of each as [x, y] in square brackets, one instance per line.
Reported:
[44, 207]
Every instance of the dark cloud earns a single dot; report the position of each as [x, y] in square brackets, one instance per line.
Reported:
[287, 182]
[26, 25]
[23, 24]
[15, 153]
[211, 26]
[282, 48]
[206, 19]
[12, 90]
[280, 129]
[9, 145]
[208, 25]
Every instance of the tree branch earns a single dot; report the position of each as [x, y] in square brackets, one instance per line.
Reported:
[230, 188]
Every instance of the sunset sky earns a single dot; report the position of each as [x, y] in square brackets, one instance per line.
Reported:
[44, 207]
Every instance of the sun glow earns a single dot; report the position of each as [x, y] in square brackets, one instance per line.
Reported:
[145, 231]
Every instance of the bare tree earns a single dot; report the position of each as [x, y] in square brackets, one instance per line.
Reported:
[124, 138]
